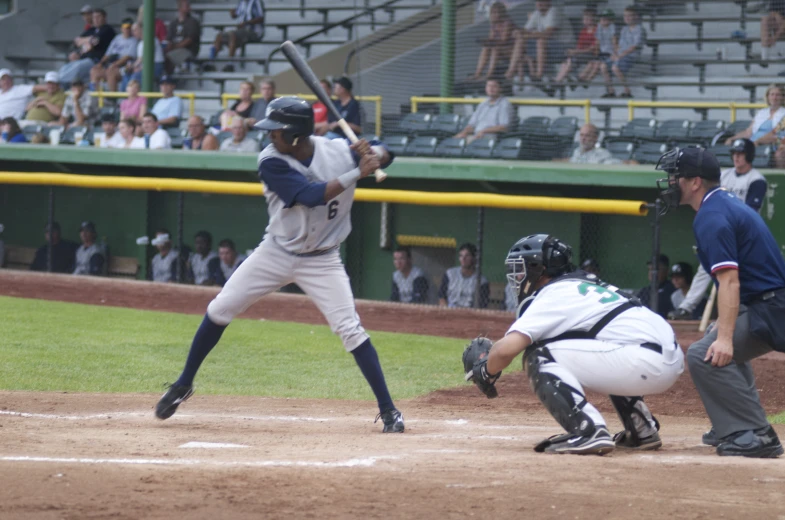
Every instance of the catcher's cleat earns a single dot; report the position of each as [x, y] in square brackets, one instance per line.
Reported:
[598, 443]
[174, 396]
[625, 441]
[393, 421]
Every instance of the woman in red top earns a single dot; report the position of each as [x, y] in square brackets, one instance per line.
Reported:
[160, 26]
[585, 50]
[319, 109]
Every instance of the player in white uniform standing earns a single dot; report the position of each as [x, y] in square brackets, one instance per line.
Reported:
[748, 184]
[309, 185]
[581, 333]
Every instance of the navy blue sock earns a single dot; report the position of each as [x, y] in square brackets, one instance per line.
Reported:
[368, 361]
[206, 338]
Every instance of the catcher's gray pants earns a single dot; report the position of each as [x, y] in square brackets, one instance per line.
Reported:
[729, 393]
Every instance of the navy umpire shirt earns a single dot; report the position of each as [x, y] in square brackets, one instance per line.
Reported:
[731, 235]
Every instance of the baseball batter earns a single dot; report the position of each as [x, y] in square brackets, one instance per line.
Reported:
[578, 333]
[309, 185]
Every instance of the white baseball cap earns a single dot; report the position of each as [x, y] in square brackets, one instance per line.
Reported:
[5, 72]
[52, 77]
[87, 8]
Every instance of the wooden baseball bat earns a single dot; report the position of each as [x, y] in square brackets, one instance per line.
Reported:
[707, 310]
[304, 71]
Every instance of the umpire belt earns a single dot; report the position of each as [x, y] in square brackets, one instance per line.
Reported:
[768, 295]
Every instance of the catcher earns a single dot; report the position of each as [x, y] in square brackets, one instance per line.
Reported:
[578, 332]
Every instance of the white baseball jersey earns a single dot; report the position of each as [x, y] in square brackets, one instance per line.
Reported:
[739, 185]
[200, 267]
[84, 257]
[300, 229]
[162, 266]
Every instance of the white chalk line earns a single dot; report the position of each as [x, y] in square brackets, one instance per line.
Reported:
[350, 463]
[212, 445]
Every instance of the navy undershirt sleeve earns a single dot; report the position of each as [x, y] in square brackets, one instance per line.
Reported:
[755, 194]
[290, 185]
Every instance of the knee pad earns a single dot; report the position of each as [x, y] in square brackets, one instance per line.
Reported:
[562, 401]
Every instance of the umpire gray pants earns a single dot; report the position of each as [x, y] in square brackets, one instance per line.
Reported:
[729, 393]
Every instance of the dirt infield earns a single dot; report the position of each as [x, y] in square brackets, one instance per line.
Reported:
[75, 456]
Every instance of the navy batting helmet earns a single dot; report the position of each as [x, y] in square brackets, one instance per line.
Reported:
[534, 256]
[744, 146]
[291, 114]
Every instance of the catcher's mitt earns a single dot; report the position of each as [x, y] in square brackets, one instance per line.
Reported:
[475, 359]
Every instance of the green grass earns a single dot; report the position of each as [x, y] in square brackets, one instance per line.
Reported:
[54, 346]
[777, 419]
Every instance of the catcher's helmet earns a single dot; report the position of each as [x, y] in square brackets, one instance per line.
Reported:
[291, 114]
[534, 256]
[744, 146]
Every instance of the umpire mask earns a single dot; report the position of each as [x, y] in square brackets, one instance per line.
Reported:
[669, 186]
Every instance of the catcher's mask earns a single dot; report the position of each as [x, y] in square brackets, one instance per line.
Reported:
[684, 162]
[534, 256]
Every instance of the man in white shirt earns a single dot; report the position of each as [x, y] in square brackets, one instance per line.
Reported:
[548, 35]
[492, 116]
[587, 152]
[240, 142]
[155, 138]
[14, 98]
[111, 137]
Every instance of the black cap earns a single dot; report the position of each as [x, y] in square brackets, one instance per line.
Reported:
[698, 162]
[664, 260]
[87, 225]
[345, 83]
[677, 270]
[168, 79]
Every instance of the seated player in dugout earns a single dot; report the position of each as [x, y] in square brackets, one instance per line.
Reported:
[409, 283]
[579, 333]
[63, 252]
[199, 260]
[459, 284]
[90, 256]
[223, 266]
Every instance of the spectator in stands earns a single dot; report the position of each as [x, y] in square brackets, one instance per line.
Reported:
[87, 15]
[198, 138]
[584, 52]
[39, 138]
[134, 70]
[664, 288]
[267, 90]
[547, 34]
[459, 284]
[319, 108]
[627, 53]
[409, 283]
[347, 106]
[607, 40]
[63, 252]
[240, 142]
[93, 46]
[497, 49]
[80, 107]
[10, 132]
[249, 30]
[14, 98]
[134, 106]
[199, 260]
[111, 137]
[766, 125]
[184, 34]
[591, 266]
[90, 256]
[164, 264]
[241, 109]
[587, 151]
[120, 53]
[47, 105]
[772, 29]
[492, 116]
[155, 138]
[127, 129]
[222, 268]
[681, 278]
[169, 108]
[160, 26]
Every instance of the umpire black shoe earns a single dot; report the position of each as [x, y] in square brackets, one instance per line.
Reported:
[393, 421]
[710, 438]
[761, 444]
[174, 396]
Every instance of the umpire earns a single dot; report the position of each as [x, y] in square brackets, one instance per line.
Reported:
[738, 250]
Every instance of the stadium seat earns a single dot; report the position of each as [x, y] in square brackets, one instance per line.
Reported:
[215, 120]
[424, 146]
[223, 136]
[480, 148]
[649, 153]
[68, 136]
[256, 135]
[673, 129]
[704, 131]
[395, 143]
[370, 137]
[31, 130]
[113, 111]
[451, 147]
[763, 157]
[444, 125]
[416, 122]
[562, 132]
[640, 128]
[738, 126]
[722, 153]
[621, 150]
[537, 142]
[508, 148]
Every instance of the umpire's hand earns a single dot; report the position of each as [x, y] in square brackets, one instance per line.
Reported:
[720, 353]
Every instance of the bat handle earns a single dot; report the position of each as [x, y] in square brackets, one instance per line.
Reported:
[349, 133]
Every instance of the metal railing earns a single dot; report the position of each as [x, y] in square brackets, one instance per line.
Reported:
[732, 106]
[585, 103]
[190, 96]
[377, 100]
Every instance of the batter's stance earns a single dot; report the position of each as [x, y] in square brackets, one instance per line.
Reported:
[309, 185]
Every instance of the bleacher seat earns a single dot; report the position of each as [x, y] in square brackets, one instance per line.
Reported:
[650, 152]
[534, 131]
[738, 126]
[395, 143]
[673, 129]
[722, 153]
[67, 137]
[444, 125]
[113, 111]
[621, 150]
[174, 132]
[451, 147]
[31, 130]
[640, 128]
[562, 132]
[481, 148]
[416, 122]
[423, 146]
[763, 157]
[508, 148]
[704, 131]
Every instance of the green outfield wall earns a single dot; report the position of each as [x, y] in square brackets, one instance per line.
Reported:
[622, 244]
